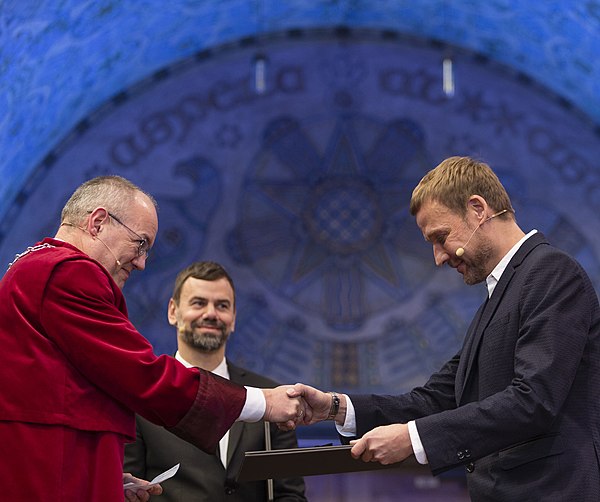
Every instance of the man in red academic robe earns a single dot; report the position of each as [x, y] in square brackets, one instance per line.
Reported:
[74, 370]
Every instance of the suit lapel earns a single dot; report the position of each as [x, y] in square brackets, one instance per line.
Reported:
[236, 375]
[235, 434]
[467, 353]
[487, 311]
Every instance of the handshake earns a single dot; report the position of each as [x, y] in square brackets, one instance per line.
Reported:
[292, 405]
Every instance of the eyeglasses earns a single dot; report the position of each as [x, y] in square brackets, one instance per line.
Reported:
[143, 244]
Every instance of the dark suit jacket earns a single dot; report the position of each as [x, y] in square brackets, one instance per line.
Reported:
[519, 405]
[202, 477]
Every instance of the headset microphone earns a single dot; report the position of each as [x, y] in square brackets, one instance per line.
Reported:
[111, 251]
[68, 224]
[461, 250]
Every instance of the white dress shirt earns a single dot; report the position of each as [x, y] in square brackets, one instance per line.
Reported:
[253, 410]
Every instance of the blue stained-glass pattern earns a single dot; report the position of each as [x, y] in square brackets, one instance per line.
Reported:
[335, 286]
[301, 191]
[60, 60]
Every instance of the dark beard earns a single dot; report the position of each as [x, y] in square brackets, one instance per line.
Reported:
[207, 342]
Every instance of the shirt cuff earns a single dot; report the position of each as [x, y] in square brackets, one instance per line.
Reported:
[349, 427]
[254, 407]
[417, 446]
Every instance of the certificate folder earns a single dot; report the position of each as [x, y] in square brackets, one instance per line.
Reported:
[275, 464]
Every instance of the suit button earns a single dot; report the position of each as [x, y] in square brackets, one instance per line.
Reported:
[461, 455]
[467, 453]
[229, 490]
[470, 467]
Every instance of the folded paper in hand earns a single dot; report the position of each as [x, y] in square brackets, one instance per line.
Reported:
[157, 480]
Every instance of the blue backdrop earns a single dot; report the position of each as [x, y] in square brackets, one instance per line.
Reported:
[302, 192]
[301, 189]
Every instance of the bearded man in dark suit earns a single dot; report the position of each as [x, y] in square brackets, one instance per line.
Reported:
[202, 309]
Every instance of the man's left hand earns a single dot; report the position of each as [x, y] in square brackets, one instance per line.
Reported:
[139, 494]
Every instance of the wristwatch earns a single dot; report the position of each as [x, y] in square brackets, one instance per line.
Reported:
[335, 406]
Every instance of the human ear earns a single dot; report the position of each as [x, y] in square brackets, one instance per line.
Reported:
[96, 219]
[477, 205]
[171, 312]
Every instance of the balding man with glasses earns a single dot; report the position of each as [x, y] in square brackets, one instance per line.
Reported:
[74, 370]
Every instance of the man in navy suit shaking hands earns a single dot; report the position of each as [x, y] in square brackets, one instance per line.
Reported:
[518, 406]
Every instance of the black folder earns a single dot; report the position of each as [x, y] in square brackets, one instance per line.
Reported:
[275, 464]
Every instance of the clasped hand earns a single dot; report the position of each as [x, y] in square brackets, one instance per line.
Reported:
[293, 405]
[285, 410]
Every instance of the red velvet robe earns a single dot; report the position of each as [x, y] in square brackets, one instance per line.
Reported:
[74, 370]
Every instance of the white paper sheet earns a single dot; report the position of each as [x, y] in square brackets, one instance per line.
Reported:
[169, 473]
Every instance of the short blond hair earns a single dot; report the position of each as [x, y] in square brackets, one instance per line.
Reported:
[455, 180]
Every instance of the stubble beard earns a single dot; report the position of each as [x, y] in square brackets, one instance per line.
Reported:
[477, 268]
